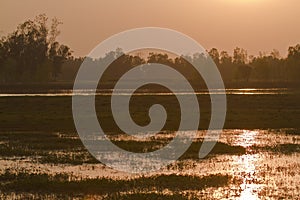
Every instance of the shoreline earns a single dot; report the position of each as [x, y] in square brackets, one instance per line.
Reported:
[108, 85]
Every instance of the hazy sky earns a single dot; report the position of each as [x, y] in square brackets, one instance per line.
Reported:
[256, 25]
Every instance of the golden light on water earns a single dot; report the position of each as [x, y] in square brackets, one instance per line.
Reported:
[246, 138]
[248, 188]
[248, 163]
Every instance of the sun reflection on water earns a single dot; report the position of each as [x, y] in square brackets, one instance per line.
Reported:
[247, 138]
[247, 163]
[248, 187]
[263, 171]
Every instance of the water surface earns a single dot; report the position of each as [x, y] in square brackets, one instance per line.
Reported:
[269, 167]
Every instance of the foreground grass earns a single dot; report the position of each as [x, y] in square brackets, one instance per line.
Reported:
[279, 148]
[68, 149]
[61, 184]
[154, 196]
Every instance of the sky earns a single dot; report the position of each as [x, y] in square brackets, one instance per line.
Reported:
[255, 25]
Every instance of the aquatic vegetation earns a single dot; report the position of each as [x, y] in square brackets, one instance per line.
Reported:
[48, 160]
[68, 149]
[66, 184]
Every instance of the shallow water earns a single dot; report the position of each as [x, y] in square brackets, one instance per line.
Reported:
[125, 92]
[269, 167]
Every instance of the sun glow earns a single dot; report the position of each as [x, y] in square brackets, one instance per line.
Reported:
[244, 2]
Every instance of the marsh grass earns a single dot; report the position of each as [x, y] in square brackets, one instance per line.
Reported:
[64, 184]
[43, 117]
[68, 149]
[154, 196]
[243, 112]
[293, 131]
[279, 148]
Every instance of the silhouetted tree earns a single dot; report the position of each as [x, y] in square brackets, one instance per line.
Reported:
[214, 54]
[31, 50]
[239, 56]
[293, 62]
[226, 66]
[31, 53]
[268, 67]
[225, 58]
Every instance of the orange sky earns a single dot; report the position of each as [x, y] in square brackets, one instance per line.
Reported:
[256, 25]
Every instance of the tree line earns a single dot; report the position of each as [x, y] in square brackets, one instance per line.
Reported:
[32, 54]
[264, 67]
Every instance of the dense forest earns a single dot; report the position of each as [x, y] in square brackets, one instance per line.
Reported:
[31, 54]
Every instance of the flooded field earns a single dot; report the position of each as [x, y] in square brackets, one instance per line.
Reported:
[256, 157]
[245, 164]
